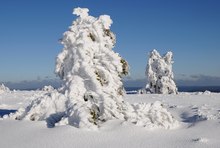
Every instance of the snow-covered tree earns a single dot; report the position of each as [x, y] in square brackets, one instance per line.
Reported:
[91, 70]
[159, 73]
[92, 74]
[3, 88]
[48, 88]
[93, 90]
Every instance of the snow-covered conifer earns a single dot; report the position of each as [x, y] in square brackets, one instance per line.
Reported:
[91, 70]
[159, 73]
[48, 88]
[3, 88]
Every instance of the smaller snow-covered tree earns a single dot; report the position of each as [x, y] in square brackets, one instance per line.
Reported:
[3, 88]
[159, 73]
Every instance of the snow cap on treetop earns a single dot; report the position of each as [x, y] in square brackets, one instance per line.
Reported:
[82, 12]
[106, 20]
[168, 57]
[155, 53]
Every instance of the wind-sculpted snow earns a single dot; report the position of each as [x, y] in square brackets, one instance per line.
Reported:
[159, 73]
[93, 91]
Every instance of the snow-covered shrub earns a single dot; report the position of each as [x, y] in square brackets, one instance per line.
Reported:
[93, 90]
[46, 107]
[48, 88]
[207, 92]
[3, 89]
[153, 115]
[159, 73]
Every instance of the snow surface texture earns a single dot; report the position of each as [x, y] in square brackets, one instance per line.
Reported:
[159, 73]
[93, 91]
[198, 114]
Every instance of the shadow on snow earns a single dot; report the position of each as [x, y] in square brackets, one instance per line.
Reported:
[6, 112]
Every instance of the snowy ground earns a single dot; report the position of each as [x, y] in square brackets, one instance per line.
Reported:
[198, 114]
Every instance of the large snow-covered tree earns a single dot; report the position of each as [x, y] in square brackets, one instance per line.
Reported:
[159, 73]
[93, 91]
[91, 70]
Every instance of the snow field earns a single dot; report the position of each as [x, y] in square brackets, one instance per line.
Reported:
[193, 131]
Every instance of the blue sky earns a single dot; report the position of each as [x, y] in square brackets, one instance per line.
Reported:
[30, 30]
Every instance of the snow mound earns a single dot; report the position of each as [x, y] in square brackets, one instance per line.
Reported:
[207, 92]
[208, 113]
[159, 73]
[48, 106]
[153, 115]
[202, 140]
[3, 89]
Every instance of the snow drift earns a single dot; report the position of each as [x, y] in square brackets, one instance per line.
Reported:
[93, 90]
